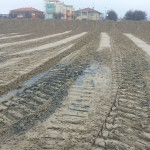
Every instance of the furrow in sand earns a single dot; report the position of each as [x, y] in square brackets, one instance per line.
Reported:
[105, 41]
[143, 45]
[15, 36]
[32, 65]
[32, 40]
[46, 46]
[77, 122]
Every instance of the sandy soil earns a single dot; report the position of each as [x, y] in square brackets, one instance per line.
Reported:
[89, 93]
[143, 45]
[105, 41]
[50, 45]
[32, 40]
[14, 36]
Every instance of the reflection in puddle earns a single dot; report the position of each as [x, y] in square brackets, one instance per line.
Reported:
[91, 73]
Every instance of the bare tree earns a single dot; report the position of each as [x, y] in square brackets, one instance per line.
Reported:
[112, 15]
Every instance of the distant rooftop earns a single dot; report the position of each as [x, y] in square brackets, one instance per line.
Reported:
[69, 5]
[30, 9]
[87, 10]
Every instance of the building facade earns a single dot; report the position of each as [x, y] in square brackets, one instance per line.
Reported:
[87, 14]
[26, 13]
[55, 9]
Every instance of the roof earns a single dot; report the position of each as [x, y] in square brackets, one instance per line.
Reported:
[87, 10]
[30, 9]
[69, 5]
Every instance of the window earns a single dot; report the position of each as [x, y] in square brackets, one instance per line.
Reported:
[91, 13]
[50, 8]
[84, 13]
[79, 14]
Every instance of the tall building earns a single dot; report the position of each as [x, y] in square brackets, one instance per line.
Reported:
[55, 9]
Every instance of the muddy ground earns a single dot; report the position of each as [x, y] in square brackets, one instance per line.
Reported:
[74, 85]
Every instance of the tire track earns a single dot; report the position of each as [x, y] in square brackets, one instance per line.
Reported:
[13, 67]
[74, 125]
[78, 45]
[36, 102]
[30, 99]
[126, 126]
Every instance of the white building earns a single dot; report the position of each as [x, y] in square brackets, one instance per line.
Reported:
[55, 9]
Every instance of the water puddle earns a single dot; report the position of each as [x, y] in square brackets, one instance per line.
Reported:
[93, 73]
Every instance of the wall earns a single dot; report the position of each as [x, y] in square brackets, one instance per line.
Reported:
[37, 14]
[69, 12]
[94, 16]
[49, 10]
[60, 8]
[52, 7]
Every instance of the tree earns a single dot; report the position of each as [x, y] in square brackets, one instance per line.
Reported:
[135, 15]
[41, 16]
[58, 15]
[12, 15]
[112, 15]
[129, 15]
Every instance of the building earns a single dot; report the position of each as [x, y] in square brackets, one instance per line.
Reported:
[55, 9]
[69, 12]
[26, 13]
[87, 14]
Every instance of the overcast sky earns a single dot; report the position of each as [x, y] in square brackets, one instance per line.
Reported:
[120, 6]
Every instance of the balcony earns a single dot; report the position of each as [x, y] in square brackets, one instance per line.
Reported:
[50, 11]
[51, 5]
[68, 14]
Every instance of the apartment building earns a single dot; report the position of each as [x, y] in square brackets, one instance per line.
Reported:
[55, 9]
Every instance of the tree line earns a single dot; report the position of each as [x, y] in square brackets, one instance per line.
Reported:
[136, 15]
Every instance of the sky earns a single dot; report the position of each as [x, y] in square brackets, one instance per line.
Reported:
[120, 6]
